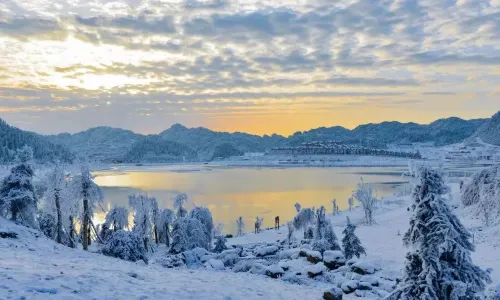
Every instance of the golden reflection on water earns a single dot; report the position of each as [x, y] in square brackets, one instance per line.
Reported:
[247, 192]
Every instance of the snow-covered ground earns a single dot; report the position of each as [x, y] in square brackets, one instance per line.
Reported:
[34, 267]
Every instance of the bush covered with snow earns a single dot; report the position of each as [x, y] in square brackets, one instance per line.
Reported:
[188, 233]
[266, 250]
[472, 191]
[125, 245]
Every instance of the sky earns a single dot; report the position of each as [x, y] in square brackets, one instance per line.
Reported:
[257, 66]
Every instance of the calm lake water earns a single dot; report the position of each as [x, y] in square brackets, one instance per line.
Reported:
[245, 191]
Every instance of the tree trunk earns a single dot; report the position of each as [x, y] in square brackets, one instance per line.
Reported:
[156, 235]
[85, 225]
[167, 238]
[71, 232]
[89, 235]
[59, 221]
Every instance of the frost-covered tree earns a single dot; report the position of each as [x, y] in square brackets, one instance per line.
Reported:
[258, 223]
[220, 244]
[218, 229]
[83, 188]
[350, 201]
[54, 196]
[297, 206]
[240, 225]
[289, 235]
[324, 236]
[188, 233]
[117, 218]
[304, 218]
[125, 245]
[47, 225]
[143, 210]
[334, 205]
[439, 265]
[350, 242]
[204, 215]
[179, 202]
[472, 191]
[364, 195]
[489, 203]
[164, 222]
[17, 193]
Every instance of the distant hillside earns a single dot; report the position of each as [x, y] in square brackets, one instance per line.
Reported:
[12, 138]
[154, 149]
[207, 143]
[489, 132]
[99, 143]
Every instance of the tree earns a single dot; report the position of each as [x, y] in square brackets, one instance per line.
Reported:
[364, 195]
[54, 196]
[125, 245]
[350, 242]
[47, 225]
[303, 218]
[240, 226]
[83, 187]
[188, 233]
[324, 236]
[334, 204]
[17, 193]
[258, 223]
[440, 264]
[472, 191]
[350, 201]
[117, 218]
[297, 206]
[143, 207]
[164, 222]
[179, 202]
[220, 244]
[204, 215]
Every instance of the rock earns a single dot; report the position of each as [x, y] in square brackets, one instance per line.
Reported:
[355, 276]
[8, 235]
[315, 270]
[259, 269]
[364, 294]
[363, 268]
[274, 271]
[370, 279]
[349, 286]
[199, 252]
[313, 256]
[242, 266]
[333, 259]
[382, 293]
[215, 264]
[351, 261]
[365, 286]
[206, 258]
[333, 294]
[285, 265]
[266, 251]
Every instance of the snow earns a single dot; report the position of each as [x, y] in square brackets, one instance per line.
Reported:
[37, 268]
[265, 251]
[215, 264]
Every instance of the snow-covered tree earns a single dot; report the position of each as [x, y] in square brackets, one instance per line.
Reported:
[334, 205]
[324, 236]
[297, 206]
[304, 218]
[143, 210]
[289, 235]
[472, 191]
[204, 215]
[47, 224]
[258, 223]
[439, 265]
[188, 233]
[350, 201]
[117, 218]
[17, 193]
[179, 202]
[83, 188]
[220, 244]
[53, 198]
[240, 224]
[489, 203]
[218, 229]
[350, 242]
[364, 195]
[165, 220]
[125, 245]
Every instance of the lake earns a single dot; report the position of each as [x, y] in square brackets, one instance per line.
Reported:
[230, 192]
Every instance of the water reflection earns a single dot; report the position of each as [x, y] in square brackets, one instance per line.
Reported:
[247, 192]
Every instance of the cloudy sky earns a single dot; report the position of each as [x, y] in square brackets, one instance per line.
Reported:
[258, 66]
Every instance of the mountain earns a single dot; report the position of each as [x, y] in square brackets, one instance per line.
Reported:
[99, 143]
[154, 149]
[207, 143]
[12, 138]
[489, 132]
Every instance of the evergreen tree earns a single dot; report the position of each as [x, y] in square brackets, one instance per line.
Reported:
[204, 215]
[188, 233]
[143, 216]
[350, 242]
[324, 236]
[220, 244]
[440, 266]
[179, 202]
[17, 193]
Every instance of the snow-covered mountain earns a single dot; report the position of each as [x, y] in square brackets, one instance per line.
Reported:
[489, 132]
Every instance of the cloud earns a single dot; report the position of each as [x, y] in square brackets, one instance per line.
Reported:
[140, 24]
[22, 28]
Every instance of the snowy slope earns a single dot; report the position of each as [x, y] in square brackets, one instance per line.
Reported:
[34, 267]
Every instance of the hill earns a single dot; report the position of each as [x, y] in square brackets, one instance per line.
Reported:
[154, 149]
[44, 150]
[489, 132]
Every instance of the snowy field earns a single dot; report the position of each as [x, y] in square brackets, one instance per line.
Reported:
[34, 267]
